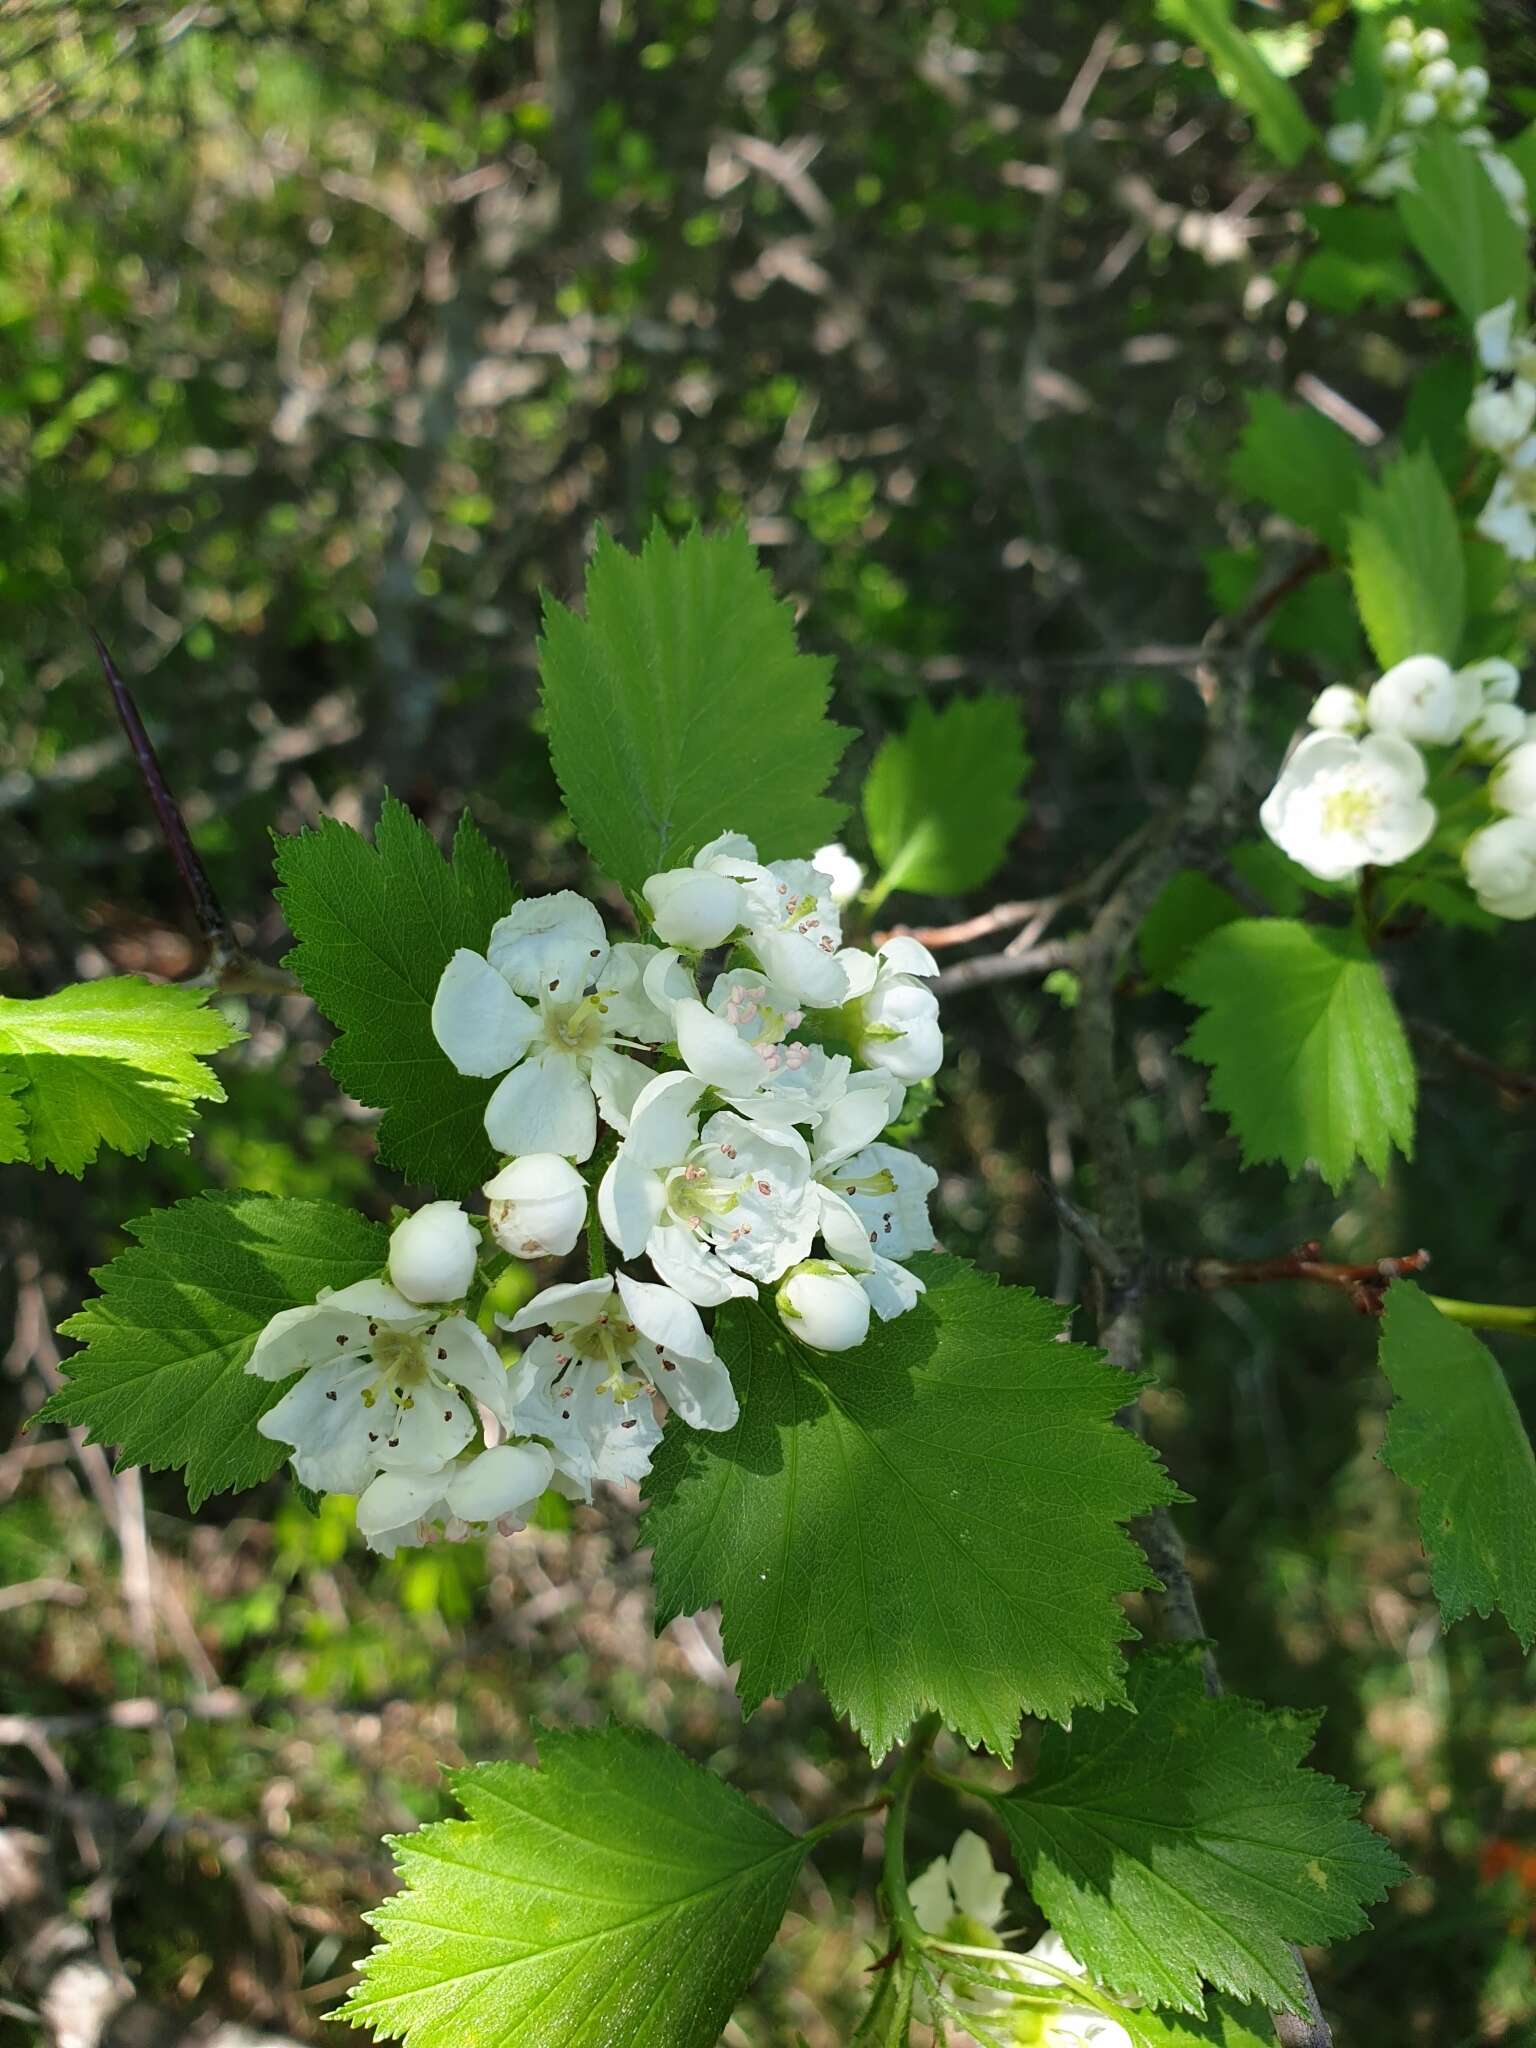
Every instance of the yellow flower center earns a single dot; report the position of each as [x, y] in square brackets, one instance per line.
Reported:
[1352, 809]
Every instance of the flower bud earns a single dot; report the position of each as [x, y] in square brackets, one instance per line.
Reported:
[1499, 418]
[1439, 75]
[1496, 728]
[1348, 143]
[537, 1206]
[1431, 43]
[1424, 700]
[503, 1481]
[1498, 679]
[432, 1254]
[692, 907]
[1474, 82]
[1501, 867]
[845, 873]
[1418, 108]
[1512, 786]
[824, 1306]
[1398, 56]
[1338, 709]
[899, 1029]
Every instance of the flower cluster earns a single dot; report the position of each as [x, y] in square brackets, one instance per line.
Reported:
[1359, 791]
[959, 1898]
[748, 1112]
[1426, 92]
[1502, 420]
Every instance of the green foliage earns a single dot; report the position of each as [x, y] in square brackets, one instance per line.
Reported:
[933, 1519]
[1186, 1841]
[376, 926]
[1245, 75]
[1462, 228]
[115, 1062]
[1456, 1434]
[1227, 2024]
[941, 801]
[679, 707]
[1301, 464]
[1406, 564]
[1189, 907]
[1363, 260]
[616, 1895]
[1308, 1054]
[163, 1372]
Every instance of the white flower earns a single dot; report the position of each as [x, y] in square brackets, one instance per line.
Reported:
[1496, 728]
[964, 1886]
[702, 905]
[887, 1189]
[1474, 82]
[893, 1019]
[1348, 143]
[824, 1306]
[1398, 56]
[1498, 679]
[382, 1388]
[1072, 2026]
[537, 1206]
[1430, 44]
[1438, 76]
[1500, 861]
[794, 930]
[501, 1486]
[432, 1255]
[596, 1428]
[1341, 803]
[1502, 346]
[844, 872]
[563, 1048]
[716, 1210]
[1417, 108]
[1338, 709]
[647, 1337]
[1512, 785]
[1424, 700]
[1509, 517]
[1501, 415]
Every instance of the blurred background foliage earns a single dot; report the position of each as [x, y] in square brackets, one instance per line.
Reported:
[328, 330]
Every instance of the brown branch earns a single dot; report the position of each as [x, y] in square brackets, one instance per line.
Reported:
[1510, 1081]
[1008, 965]
[1366, 1284]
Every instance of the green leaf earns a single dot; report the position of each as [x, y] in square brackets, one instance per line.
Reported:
[1188, 908]
[376, 926]
[941, 800]
[933, 1520]
[887, 2022]
[1406, 564]
[166, 1341]
[617, 1895]
[1456, 1434]
[1227, 2024]
[1301, 464]
[679, 708]
[1186, 1840]
[1308, 1054]
[1363, 259]
[115, 1062]
[1435, 418]
[1244, 75]
[1462, 228]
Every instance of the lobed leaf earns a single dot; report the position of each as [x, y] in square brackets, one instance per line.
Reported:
[1406, 562]
[1462, 228]
[1300, 464]
[941, 800]
[933, 1520]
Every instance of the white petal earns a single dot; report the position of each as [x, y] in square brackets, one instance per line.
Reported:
[1402, 831]
[843, 1230]
[544, 1105]
[892, 1289]
[664, 1122]
[322, 1417]
[477, 1020]
[1495, 331]
[630, 1202]
[573, 1301]
[734, 848]
[550, 942]
[425, 1436]
[473, 1363]
[699, 1392]
[692, 907]
[433, 1254]
[396, 1499]
[932, 1900]
[713, 1051]
[665, 1318]
[979, 1889]
[860, 970]
[906, 955]
[632, 1011]
[295, 1338]
[667, 981]
[617, 1081]
[798, 964]
[848, 1126]
[1399, 757]
[693, 1272]
[506, 1480]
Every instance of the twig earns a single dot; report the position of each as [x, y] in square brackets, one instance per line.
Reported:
[1365, 1284]
[1520, 1087]
[1008, 965]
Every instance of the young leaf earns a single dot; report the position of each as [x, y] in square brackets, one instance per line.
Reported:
[1245, 75]
[941, 800]
[1405, 562]
[1293, 459]
[616, 1897]
[1457, 221]
[933, 1520]
[1187, 909]
[376, 926]
[166, 1341]
[1186, 1840]
[1456, 1434]
[679, 708]
[1227, 2024]
[1308, 1054]
[115, 1062]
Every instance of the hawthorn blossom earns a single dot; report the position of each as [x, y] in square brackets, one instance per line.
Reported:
[893, 1019]
[1423, 699]
[785, 912]
[703, 905]
[1509, 516]
[1338, 709]
[1071, 2025]
[383, 1385]
[498, 1487]
[622, 1338]
[841, 869]
[716, 1209]
[1500, 862]
[595, 1432]
[1512, 785]
[537, 1206]
[553, 1007]
[824, 1306]
[433, 1254]
[1342, 803]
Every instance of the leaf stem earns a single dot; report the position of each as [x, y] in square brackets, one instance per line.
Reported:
[845, 1819]
[898, 1905]
[1487, 1315]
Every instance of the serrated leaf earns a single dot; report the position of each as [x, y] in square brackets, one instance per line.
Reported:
[1186, 1841]
[1301, 464]
[941, 800]
[1406, 564]
[115, 1062]
[1227, 2024]
[679, 707]
[887, 2021]
[1456, 1434]
[163, 1372]
[1457, 221]
[1245, 75]
[616, 1897]
[376, 926]
[1308, 1056]
[933, 1520]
